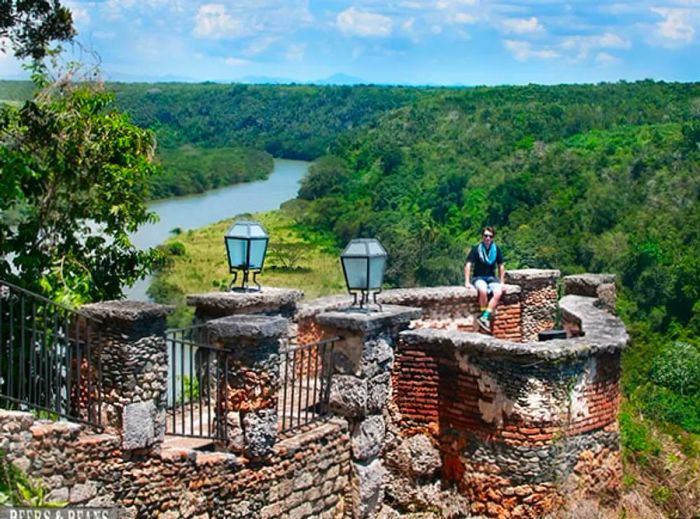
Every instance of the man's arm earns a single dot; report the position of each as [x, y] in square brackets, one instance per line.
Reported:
[467, 274]
[502, 272]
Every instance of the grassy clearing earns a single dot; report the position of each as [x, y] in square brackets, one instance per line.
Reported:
[196, 262]
[662, 468]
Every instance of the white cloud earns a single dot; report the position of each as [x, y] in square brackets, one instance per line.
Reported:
[214, 23]
[453, 4]
[522, 25]
[407, 25]
[675, 29]
[363, 23]
[295, 52]
[260, 45]
[462, 18]
[236, 62]
[580, 48]
[607, 40]
[523, 51]
[606, 59]
[80, 14]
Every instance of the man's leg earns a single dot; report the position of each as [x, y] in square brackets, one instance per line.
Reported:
[497, 292]
[482, 289]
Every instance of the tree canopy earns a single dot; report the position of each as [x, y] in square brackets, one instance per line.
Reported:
[74, 177]
[31, 25]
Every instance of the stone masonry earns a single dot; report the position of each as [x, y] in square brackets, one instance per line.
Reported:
[268, 301]
[305, 476]
[426, 413]
[133, 357]
[252, 373]
[523, 429]
[359, 391]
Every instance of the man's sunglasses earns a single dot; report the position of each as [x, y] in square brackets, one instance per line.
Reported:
[488, 235]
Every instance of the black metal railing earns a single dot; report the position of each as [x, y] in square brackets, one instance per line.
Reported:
[305, 384]
[197, 376]
[49, 358]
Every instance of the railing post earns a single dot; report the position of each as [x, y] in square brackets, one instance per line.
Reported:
[359, 390]
[250, 377]
[130, 342]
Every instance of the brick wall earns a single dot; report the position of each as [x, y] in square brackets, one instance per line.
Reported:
[524, 429]
[306, 476]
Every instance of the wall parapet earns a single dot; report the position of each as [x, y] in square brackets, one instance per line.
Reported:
[305, 476]
[523, 428]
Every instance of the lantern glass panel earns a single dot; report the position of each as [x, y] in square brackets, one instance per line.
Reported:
[237, 252]
[356, 272]
[257, 253]
[376, 272]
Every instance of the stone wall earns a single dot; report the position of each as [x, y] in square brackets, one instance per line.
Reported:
[444, 308]
[522, 429]
[434, 415]
[307, 476]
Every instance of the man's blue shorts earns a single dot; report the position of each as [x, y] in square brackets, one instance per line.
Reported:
[488, 283]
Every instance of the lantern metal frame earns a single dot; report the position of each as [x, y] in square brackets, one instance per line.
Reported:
[364, 292]
[245, 286]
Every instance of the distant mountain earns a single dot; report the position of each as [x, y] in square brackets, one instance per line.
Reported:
[341, 79]
[266, 80]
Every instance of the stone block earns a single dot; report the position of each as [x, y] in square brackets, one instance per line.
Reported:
[348, 396]
[586, 284]
[269, 300]
[607, 297]
[248, 326]
[421, 457]
[368, 438]
[377, 357]
[259, 432]
[378, 393]
[354, 320]
[532, 278]
[139, 425]
[367, 488]
[83, 492]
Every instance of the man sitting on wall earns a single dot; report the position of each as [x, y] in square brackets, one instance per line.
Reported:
[484, 257]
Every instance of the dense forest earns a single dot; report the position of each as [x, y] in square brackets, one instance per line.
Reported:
[211, 134]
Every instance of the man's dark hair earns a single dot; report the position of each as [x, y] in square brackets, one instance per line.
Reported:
[490, 229]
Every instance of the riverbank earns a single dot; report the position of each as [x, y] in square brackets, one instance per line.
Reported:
[191, 212]
[297, 258]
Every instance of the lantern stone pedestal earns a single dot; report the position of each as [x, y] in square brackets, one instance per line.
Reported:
[268, 301]
[134, 364]
[360, 385]
[252, 372]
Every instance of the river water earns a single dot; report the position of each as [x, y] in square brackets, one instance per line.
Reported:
[191, 212]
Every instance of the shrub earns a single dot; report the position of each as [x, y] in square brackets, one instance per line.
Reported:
[176, 249]
[677, 368]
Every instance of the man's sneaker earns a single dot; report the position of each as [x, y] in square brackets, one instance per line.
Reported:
[484, 323]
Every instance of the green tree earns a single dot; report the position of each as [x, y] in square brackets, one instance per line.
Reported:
[31, 25]
[73, 184]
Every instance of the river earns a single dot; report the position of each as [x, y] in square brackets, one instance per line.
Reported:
[191, 212]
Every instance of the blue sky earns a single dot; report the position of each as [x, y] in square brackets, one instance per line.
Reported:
[415, 42]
